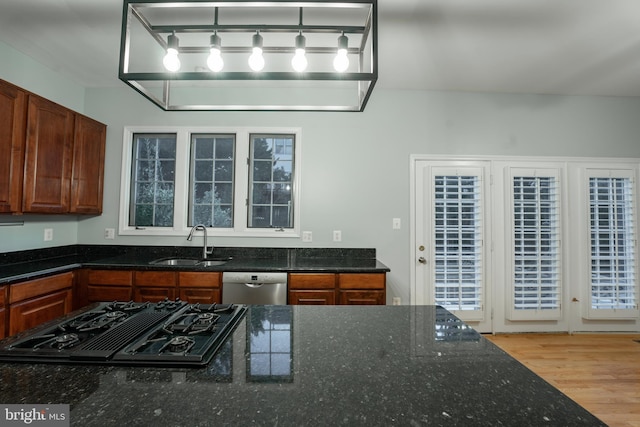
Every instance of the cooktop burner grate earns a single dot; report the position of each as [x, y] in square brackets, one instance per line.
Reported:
[104, 345]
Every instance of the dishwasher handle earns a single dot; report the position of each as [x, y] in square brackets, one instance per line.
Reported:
[254, 285]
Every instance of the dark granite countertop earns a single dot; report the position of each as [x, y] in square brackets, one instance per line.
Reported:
[30, 264]
[314, 366]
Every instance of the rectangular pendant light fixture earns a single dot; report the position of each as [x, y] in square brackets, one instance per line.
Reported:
[247, 55]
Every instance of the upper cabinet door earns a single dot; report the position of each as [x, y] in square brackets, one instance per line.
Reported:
[48, 157]
[13, 113]
[88, 166]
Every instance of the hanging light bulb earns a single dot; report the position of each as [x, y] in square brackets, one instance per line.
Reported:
[215, 61]
[299, 61]
[341, 61]
[171, 61]
[256, 60]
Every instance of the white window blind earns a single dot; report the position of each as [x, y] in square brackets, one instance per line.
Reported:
[535, 271]
[613, 258]
[458, 241]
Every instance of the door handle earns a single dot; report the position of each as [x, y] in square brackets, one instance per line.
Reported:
[421, 260]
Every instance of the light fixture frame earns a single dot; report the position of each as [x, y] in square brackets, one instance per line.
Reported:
[363, 79]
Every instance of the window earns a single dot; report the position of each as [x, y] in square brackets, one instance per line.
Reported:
[535, 263]
[612, 234]
[457, 234]
[153, 180]
[234, 181]
[272, 162]
[212, 180]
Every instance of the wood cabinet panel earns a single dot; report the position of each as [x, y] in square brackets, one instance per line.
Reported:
[200, 295]
[32, 312]
[13, 116]
[110, 277]
[157, 279]
[312, 297]
[362, 297]
[88, 166]
[361, 280]
[312, 281]
[3, 323]
[37, 287]
[3, 296]
[48, 157]
[108, 293]
[194, 279]
[150, 294]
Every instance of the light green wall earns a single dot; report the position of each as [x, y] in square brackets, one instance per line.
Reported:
[355, 166]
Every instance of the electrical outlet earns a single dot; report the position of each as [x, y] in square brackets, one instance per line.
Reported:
[396, 301]
[337, 236]
[307, 236]
[110, 233]
[396, 223]
[48, 234]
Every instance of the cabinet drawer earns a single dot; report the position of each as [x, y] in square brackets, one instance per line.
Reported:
[108, 293]
[312, 281]
[156, 279]
[110, 277]
[361, 281]
[362, 298]
[312, 297]
[38, 287]
[29, 314]
[200, 295]
[190, 279]
[154, 294]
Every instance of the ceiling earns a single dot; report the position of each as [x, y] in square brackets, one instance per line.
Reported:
[587, 47]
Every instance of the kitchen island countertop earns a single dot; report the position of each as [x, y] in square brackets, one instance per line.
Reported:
[316, 366]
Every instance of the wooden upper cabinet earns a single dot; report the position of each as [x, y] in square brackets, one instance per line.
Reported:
[48, 157]
[13, 115]
[88, 166]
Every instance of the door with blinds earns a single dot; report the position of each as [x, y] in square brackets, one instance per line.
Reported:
[451, 259]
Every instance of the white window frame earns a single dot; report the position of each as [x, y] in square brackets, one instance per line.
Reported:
[181, 196]
[537, 170]
[598, 313]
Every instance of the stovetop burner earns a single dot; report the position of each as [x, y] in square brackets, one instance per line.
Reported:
[178, 345]
[166, 333]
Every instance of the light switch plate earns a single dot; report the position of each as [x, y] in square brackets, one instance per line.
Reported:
[396, 223]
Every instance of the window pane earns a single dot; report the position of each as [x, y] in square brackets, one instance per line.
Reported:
[153, 180]
[458, 242]
[212, 180]
[613, 282]
[536, 279]
[271, 181]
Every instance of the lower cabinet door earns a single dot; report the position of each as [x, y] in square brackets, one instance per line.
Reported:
[314, 297]
[153, 294]
[362, 297]
[32, 312]
[3, 323]
[200, 295]
[108, 293]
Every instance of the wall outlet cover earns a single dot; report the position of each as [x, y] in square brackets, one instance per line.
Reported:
[307, 236]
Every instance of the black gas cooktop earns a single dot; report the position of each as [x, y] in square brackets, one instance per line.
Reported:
[168, 333]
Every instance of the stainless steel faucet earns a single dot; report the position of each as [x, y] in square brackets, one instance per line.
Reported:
[205, 250]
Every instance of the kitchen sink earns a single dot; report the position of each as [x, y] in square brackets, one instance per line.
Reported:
[212, 262]
[175, 261]
[191, 262]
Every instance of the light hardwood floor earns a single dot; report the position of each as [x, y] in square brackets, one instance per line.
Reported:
[601, 372]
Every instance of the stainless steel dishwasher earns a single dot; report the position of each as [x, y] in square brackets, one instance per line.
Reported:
[254, 288]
